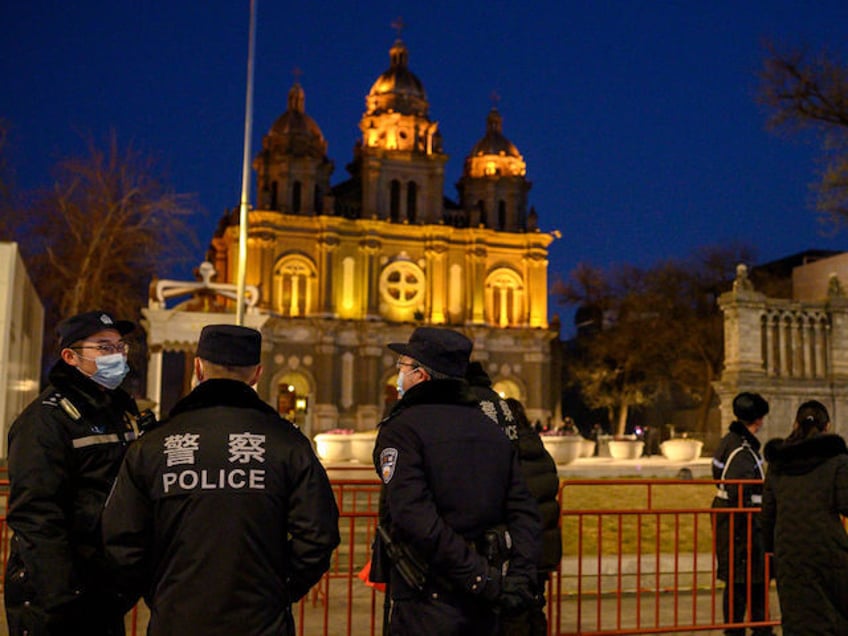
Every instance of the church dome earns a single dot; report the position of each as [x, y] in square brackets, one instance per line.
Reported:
[398, 89]
[494, 155]
[494, 142]
[295, 132]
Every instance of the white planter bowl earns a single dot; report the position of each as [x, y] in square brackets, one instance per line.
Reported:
[333, 447]
[680, 449]
[626, 448]
[587, 447]
[563, 448]
[362, 446]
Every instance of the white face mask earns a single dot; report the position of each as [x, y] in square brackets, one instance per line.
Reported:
[111, 370]
[400, 384]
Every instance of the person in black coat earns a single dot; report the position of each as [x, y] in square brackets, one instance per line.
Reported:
[738, 457]
[540, 473]
[64, 453]
[223, 516]
[452, 488]
[806, 491]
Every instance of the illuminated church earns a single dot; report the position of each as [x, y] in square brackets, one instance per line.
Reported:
[341, 270]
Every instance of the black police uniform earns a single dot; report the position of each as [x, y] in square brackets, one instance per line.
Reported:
[450, 474]
[738, 457]
[64, 453]
[222, 517]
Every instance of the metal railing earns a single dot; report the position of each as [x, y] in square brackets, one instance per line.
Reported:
[639, 558]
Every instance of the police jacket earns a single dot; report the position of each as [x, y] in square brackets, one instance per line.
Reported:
[540, 473]
[449, 474]
[222, 517]
[738, 457]
[64, 453]
[537, 467]
[806, 489]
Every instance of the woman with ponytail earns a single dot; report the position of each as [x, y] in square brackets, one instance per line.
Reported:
[805, 492]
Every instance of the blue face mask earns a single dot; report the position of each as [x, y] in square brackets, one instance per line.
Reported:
[400, 384]
[111, 370]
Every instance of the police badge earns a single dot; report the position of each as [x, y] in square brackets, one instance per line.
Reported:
[388, 461]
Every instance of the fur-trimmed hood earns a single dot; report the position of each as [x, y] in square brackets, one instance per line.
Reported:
[449, 391]
[799, 458]
[220, 392]
[85, 393]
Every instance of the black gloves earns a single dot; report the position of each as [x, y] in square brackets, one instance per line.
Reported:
[516, 594]
[488, 587]
[511, 593]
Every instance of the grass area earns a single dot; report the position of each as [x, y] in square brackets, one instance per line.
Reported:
[640, 518]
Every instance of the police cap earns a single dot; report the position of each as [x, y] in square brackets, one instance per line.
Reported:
[749, 407]
[230, 345]
[83, 325]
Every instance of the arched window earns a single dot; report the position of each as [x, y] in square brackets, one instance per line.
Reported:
[319, 200]
[411, 201]
[504, 298]
[294, 286]
[501, 214]
[394, 201]
[481, 206]
[295, 197]
[275, 203]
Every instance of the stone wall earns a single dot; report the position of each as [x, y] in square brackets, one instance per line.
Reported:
[789, 351]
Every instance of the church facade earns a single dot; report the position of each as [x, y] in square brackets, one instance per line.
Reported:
[341, 270]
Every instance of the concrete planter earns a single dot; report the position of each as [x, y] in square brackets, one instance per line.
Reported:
[626, 448]
[587, 447]
[362, 446]
[681, 449]
[333, 447]
[563, 448]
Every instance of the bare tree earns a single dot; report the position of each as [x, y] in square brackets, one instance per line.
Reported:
[109, 223]
[657, 333]
[804, 91]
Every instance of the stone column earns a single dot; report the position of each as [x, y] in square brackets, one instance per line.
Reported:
[154, 378]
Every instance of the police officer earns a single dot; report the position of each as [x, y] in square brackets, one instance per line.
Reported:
[451, 483]
[64, 453]
[223, 516]
[738, 457]
[491, 403]
[540, 473]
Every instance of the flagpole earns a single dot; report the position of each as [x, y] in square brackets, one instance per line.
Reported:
[245, 172]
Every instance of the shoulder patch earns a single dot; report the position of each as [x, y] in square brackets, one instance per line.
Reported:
[388, 462]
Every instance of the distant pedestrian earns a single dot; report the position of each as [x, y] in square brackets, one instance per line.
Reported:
[223, 516]
[738, 457]
[806, 491]
[64, 453]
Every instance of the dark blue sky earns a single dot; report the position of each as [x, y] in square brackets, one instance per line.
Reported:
[636, 118]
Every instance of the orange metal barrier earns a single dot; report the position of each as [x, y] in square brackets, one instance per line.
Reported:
[641, 559]
[638, 559]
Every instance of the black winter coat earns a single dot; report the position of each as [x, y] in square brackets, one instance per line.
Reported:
[738, 457]
[540, 472]
[222, 517]
[538, 469]
[449, 474]
[806, 490]
[64, 453]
